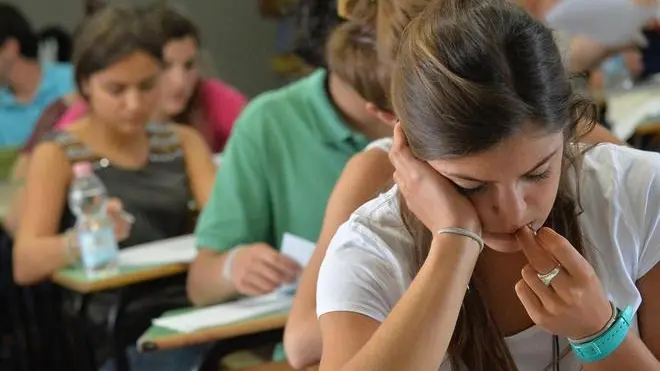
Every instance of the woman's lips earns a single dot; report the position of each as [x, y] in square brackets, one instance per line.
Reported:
[508, 237]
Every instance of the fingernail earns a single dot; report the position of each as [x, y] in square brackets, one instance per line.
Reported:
[531, 228]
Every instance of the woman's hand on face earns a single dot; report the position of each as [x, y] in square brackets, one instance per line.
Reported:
[574, 304]
[121, 220]
[431, 197]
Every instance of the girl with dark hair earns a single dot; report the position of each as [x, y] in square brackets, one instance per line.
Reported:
[152, 169]
[504, 245]
[209, 105]
[366, 174]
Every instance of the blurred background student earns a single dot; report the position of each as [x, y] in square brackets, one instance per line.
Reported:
[151, 168]
[206, 104]
[26, 85]
[281, 163]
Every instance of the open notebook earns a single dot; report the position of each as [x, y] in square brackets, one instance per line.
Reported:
[226, 313]
[294, 247]
[170, 251]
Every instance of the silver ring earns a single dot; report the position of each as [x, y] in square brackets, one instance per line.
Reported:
[548, 277]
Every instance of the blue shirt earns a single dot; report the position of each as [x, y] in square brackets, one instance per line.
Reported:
[17, 120]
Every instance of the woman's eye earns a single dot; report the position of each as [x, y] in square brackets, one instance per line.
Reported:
[115, 89]
[538, 177]
[470, 191]
[147, 85]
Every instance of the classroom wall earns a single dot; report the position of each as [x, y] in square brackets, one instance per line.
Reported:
[239, 42]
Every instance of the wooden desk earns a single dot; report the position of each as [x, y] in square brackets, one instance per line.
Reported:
[74, 278]
[648, 129]
[157, 338]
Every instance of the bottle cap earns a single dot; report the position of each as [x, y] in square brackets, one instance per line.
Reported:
[81, 169]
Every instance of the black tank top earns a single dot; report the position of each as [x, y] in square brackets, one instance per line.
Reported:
[157, 195]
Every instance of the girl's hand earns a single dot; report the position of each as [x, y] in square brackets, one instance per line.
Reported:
[121, 220]
[574, 304]
[429, 195]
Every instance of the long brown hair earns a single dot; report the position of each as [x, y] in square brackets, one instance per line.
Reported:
[174, 25]
[469, 74]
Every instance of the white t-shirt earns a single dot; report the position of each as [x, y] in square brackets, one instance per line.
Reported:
[369, 263]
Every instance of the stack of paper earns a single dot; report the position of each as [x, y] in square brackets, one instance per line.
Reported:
[170, 251]
[609, 22]
[226, 313]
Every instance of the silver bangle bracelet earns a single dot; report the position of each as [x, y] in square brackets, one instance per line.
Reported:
[615, 313]
[463, 232]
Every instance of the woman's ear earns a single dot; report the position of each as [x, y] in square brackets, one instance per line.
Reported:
[385, 117]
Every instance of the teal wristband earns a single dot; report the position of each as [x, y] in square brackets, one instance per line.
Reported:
[601, 347]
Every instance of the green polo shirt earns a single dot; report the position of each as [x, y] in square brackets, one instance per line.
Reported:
[286, 151]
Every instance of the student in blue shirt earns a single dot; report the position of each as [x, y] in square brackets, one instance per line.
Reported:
[26, 87]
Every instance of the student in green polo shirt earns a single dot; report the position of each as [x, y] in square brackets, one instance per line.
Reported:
[281, 163]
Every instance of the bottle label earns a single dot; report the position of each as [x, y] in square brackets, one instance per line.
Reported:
[97, 247]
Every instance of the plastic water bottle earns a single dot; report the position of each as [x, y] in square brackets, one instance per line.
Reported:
[88, 200]
[616, 76]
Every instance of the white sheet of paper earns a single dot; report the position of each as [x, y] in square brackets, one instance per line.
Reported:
[626, 111]
[298, 249]
[170, 251]
[226, 313]
[609, 22]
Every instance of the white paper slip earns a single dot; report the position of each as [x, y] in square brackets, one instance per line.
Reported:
[609, 22]
[226, 313]
[297, 248]
[171, 251]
